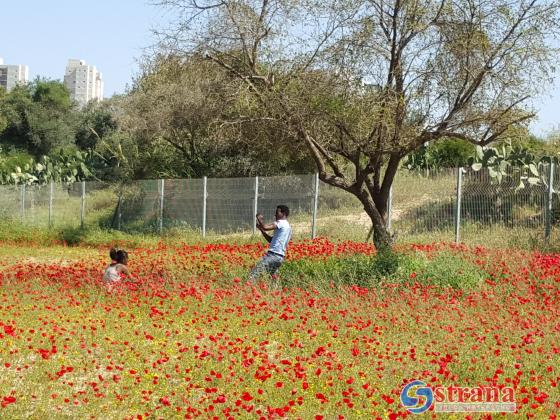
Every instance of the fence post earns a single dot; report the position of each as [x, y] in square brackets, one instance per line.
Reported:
[315, 201]
[390, 208]
[548, 219]
[51, 193]
[458, 205]
[22, 209]
[83, 205]
[161, 195]
[204, 196]
[255, 205]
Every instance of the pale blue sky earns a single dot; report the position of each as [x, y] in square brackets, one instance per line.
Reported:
[111, 35]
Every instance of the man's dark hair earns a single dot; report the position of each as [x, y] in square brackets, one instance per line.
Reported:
[284, 209]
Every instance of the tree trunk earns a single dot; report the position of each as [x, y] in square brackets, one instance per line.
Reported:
[382, 238]
[373, 199]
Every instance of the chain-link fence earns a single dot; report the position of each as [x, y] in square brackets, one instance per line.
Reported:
[473, 207]
[449, 205]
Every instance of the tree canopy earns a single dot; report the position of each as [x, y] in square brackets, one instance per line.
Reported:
[360, 84]
[37, 117]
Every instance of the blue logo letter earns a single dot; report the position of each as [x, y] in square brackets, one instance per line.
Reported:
[410, 400]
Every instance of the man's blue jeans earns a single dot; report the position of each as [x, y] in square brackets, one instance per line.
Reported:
[270, 264]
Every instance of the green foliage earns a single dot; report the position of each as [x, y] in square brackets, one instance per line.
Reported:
[15, 232]
[64, 166]
[12, 158]
[506, 159]
[181, 120]
[11, 164]
[447, 153]
[13, 108]
[38, 117]
[96, 122]
[351, 270]
[116, 157]
[41, 120]
[52, 94]
[443, 270]
[169, 115]
[3, 117]
[114, 152]
[386, 263]
[49, 129]
[12, 231]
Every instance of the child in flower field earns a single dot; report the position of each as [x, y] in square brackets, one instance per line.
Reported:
[117, 269]
[274, 258]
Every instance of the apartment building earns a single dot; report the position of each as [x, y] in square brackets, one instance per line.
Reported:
[83, 81]
[13, 74]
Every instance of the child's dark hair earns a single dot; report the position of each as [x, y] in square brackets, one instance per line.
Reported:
[120, 256]
[284, 209]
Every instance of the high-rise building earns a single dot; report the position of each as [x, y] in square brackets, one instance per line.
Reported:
[12, 74]
[83, 82]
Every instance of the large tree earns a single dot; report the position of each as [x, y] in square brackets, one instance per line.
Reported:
[189, 117]
[172, 109]
[362, 83]
[39, 117]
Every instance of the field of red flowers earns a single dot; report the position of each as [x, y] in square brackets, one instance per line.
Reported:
[189, 337]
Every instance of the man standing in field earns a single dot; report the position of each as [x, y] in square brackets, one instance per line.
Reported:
[274, 258]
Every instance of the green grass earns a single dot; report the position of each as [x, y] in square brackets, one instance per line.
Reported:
[91, 235]
[443, 270]
[496, 236]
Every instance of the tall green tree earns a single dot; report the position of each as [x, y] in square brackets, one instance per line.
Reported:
[188, 117]
[170, 112]
[360, 84]
[51, 94]
[3, 117]
[14, 107]
[448, 153]
[40, 117]
[96, 121]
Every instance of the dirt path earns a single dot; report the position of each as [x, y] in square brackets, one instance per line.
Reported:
[361, 219]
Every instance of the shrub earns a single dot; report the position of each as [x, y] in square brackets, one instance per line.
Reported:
[447, 269]
[443, 270]
[356, 269]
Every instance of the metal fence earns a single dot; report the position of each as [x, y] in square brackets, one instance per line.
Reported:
[463, 205]
[449, 205]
